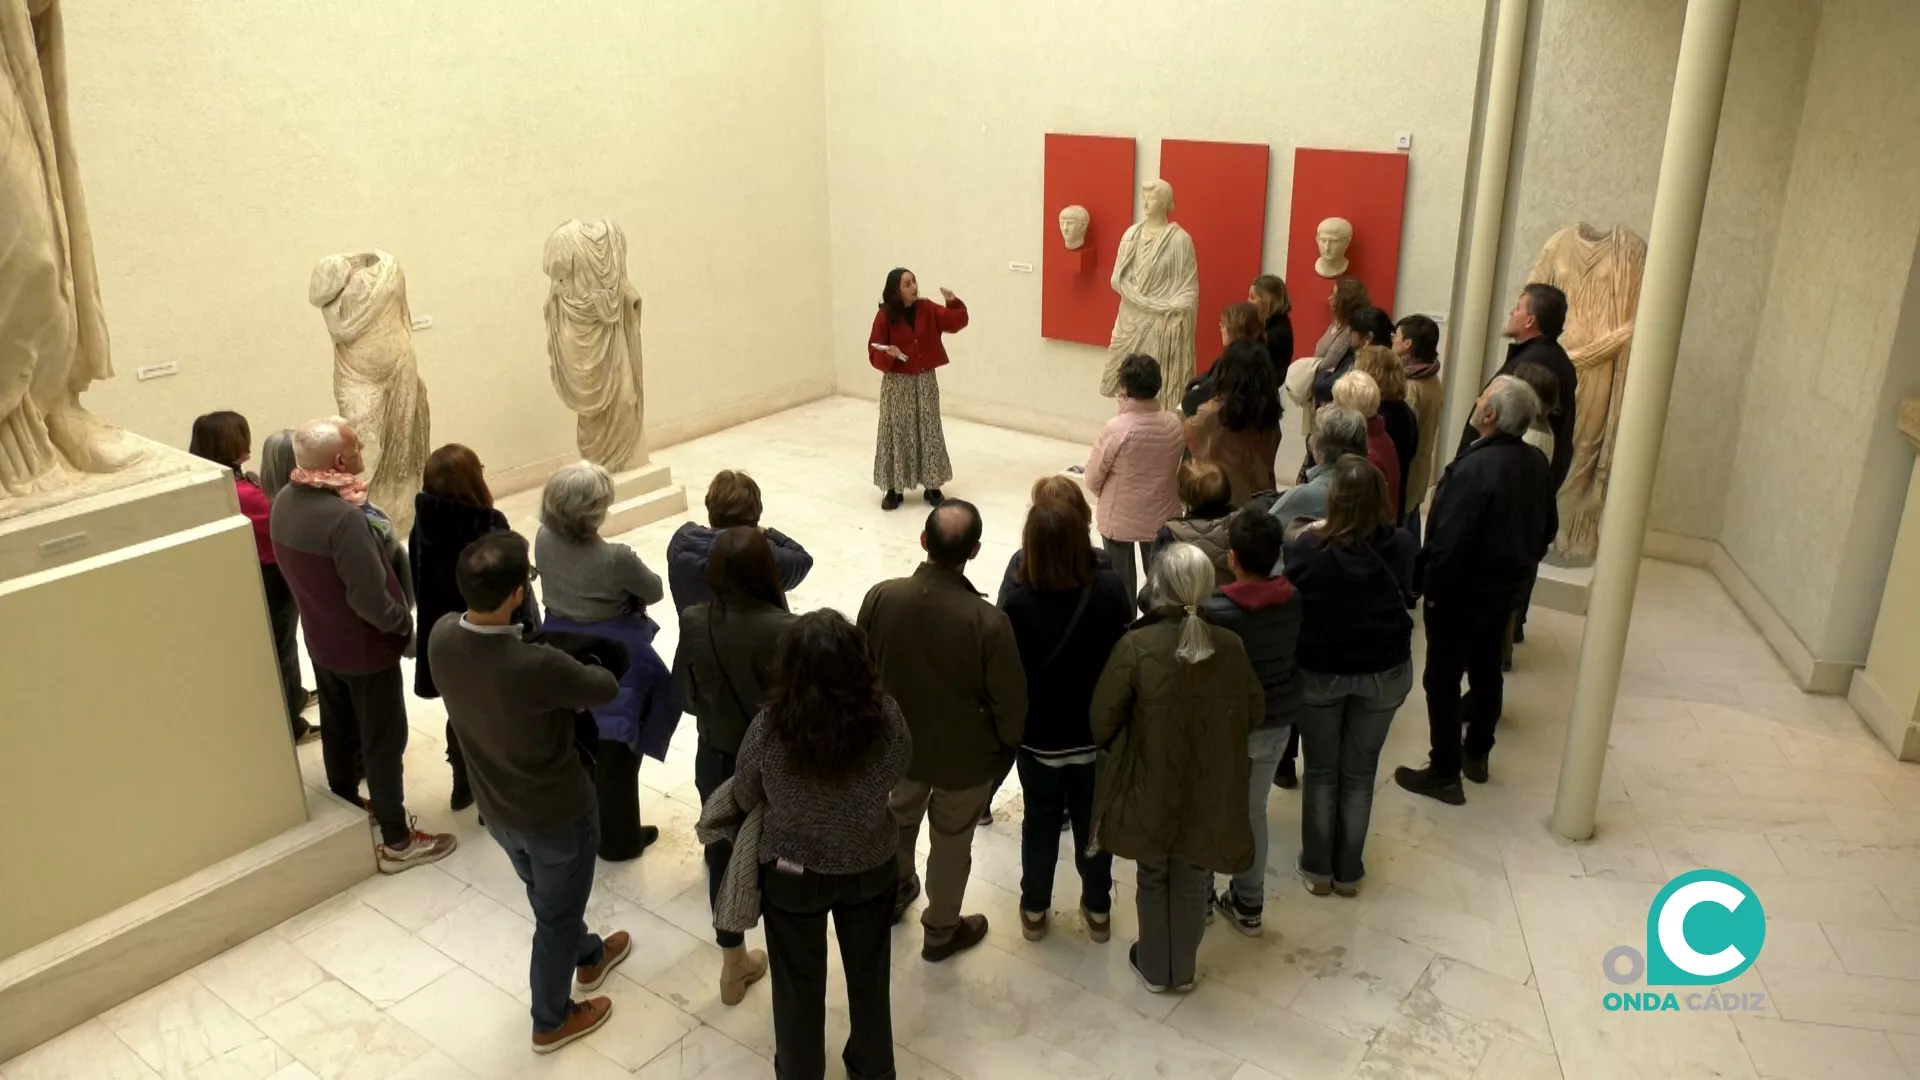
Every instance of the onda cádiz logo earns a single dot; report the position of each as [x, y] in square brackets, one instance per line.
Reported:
[1704, 929]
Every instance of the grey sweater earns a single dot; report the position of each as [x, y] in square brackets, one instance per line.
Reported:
[592, 580]
[511, 704]
[842, 827]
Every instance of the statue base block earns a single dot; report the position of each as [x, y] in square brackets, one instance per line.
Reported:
[1563, 588]
[641, 497]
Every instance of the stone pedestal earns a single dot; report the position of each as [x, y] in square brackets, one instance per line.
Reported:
[1886, 693]
[643, 496]
[151, 809]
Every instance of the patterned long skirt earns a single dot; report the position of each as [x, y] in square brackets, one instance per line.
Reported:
[911, 449]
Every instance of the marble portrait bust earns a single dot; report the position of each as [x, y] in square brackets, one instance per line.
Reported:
[1333, 237]
[1073, 226]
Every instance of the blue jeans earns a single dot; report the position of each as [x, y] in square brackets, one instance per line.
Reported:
[1052, 792]
[557, 868]
[1263, 749]
[1343, 726]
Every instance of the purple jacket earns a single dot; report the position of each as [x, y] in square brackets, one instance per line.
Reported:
[648, 708]
[353, 612]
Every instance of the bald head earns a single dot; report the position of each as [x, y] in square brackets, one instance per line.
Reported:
[327, 444]
[953, 533]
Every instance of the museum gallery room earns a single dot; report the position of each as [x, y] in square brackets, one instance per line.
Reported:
[1020, 538]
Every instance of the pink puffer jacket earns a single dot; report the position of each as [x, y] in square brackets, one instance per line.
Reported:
[1134, 471]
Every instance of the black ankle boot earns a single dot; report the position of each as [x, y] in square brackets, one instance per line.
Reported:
[892, 501]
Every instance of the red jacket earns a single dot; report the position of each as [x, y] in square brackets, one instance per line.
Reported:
[256, 506]
[921, 341]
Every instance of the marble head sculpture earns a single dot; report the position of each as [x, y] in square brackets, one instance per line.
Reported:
[1333, 237]
[1073, 226]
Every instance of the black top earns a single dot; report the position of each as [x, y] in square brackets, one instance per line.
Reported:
[1549, 355]
[442, 529]
[1280, 341]
[1492, 521]
[1060, 693]
[1356, 602]
[1266, 615]
[1403, 427]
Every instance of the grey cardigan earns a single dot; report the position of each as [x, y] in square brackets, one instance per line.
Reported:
[592, 580]
[737, 907]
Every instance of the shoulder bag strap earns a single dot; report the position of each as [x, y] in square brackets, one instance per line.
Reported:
[1079, 609]
[721, 666]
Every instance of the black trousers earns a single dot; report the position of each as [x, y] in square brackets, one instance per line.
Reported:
[284, 616]
[711, 768]
[616, 781]
[456, 760]
[364, 718]
[795, 907]
[1463, 641]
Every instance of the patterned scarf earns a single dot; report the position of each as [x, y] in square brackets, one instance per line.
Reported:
[346, 485]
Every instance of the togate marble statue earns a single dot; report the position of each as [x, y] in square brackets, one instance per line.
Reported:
[376, 384]
[1158, 280]
[593, 340]
[1600, 273]
[1333, 237]
[53, 335]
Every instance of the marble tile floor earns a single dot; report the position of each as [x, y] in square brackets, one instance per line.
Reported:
[1472, 951]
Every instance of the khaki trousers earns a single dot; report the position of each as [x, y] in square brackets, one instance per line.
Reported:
[952, 816]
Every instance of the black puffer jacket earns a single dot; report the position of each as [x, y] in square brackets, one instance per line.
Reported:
[1060, 690]
[691, 547]
[1266, 615]
[1175, 779]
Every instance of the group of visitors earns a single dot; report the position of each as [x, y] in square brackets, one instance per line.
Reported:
[1145, 689]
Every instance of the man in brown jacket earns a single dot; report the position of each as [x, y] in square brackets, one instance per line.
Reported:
[948, 657]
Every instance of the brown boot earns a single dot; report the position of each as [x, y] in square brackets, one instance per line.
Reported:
[740, 969]
[584, 1018]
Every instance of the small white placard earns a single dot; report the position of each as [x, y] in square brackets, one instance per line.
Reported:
[1020, 267]
[63, 543]
[156, 371]
[422, 322]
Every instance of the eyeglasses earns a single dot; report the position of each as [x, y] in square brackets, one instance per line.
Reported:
[533, 574]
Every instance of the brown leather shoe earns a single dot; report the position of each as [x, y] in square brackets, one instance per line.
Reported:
[971, 931]
[617, 947]
[584, 1018]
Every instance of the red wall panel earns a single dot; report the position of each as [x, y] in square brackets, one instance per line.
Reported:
[1094, 171]
[1368, 189]
[1220, 198]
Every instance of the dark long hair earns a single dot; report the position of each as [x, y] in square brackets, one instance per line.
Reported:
[741, 566]
[890, 297]
[454, 472]
[222, 438]
[1056, 554]
[825, 705]
[1248, 388]
[1357, 503]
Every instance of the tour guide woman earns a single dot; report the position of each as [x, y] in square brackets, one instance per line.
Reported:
[905, 348]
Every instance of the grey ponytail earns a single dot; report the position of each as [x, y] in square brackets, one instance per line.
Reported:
[1182, 578]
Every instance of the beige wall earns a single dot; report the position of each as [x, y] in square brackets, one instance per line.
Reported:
[1819, 472]
[128, 764]
[936, 121]
[226, 147]
[1592, 126]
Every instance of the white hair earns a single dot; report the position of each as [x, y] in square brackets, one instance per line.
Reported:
[1183, 577]
[1511, 405]
[1357, 391]
[576, 501]
[1338, 430]
[317, 442]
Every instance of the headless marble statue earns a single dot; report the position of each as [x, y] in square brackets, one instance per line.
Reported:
[376, 383]
[53, 336]
[1158, 280]
[1600, 273]
[593, 340]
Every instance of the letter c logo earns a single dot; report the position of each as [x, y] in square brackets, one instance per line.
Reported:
[1704, 928]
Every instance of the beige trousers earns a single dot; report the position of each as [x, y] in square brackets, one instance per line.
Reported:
[952, 816]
